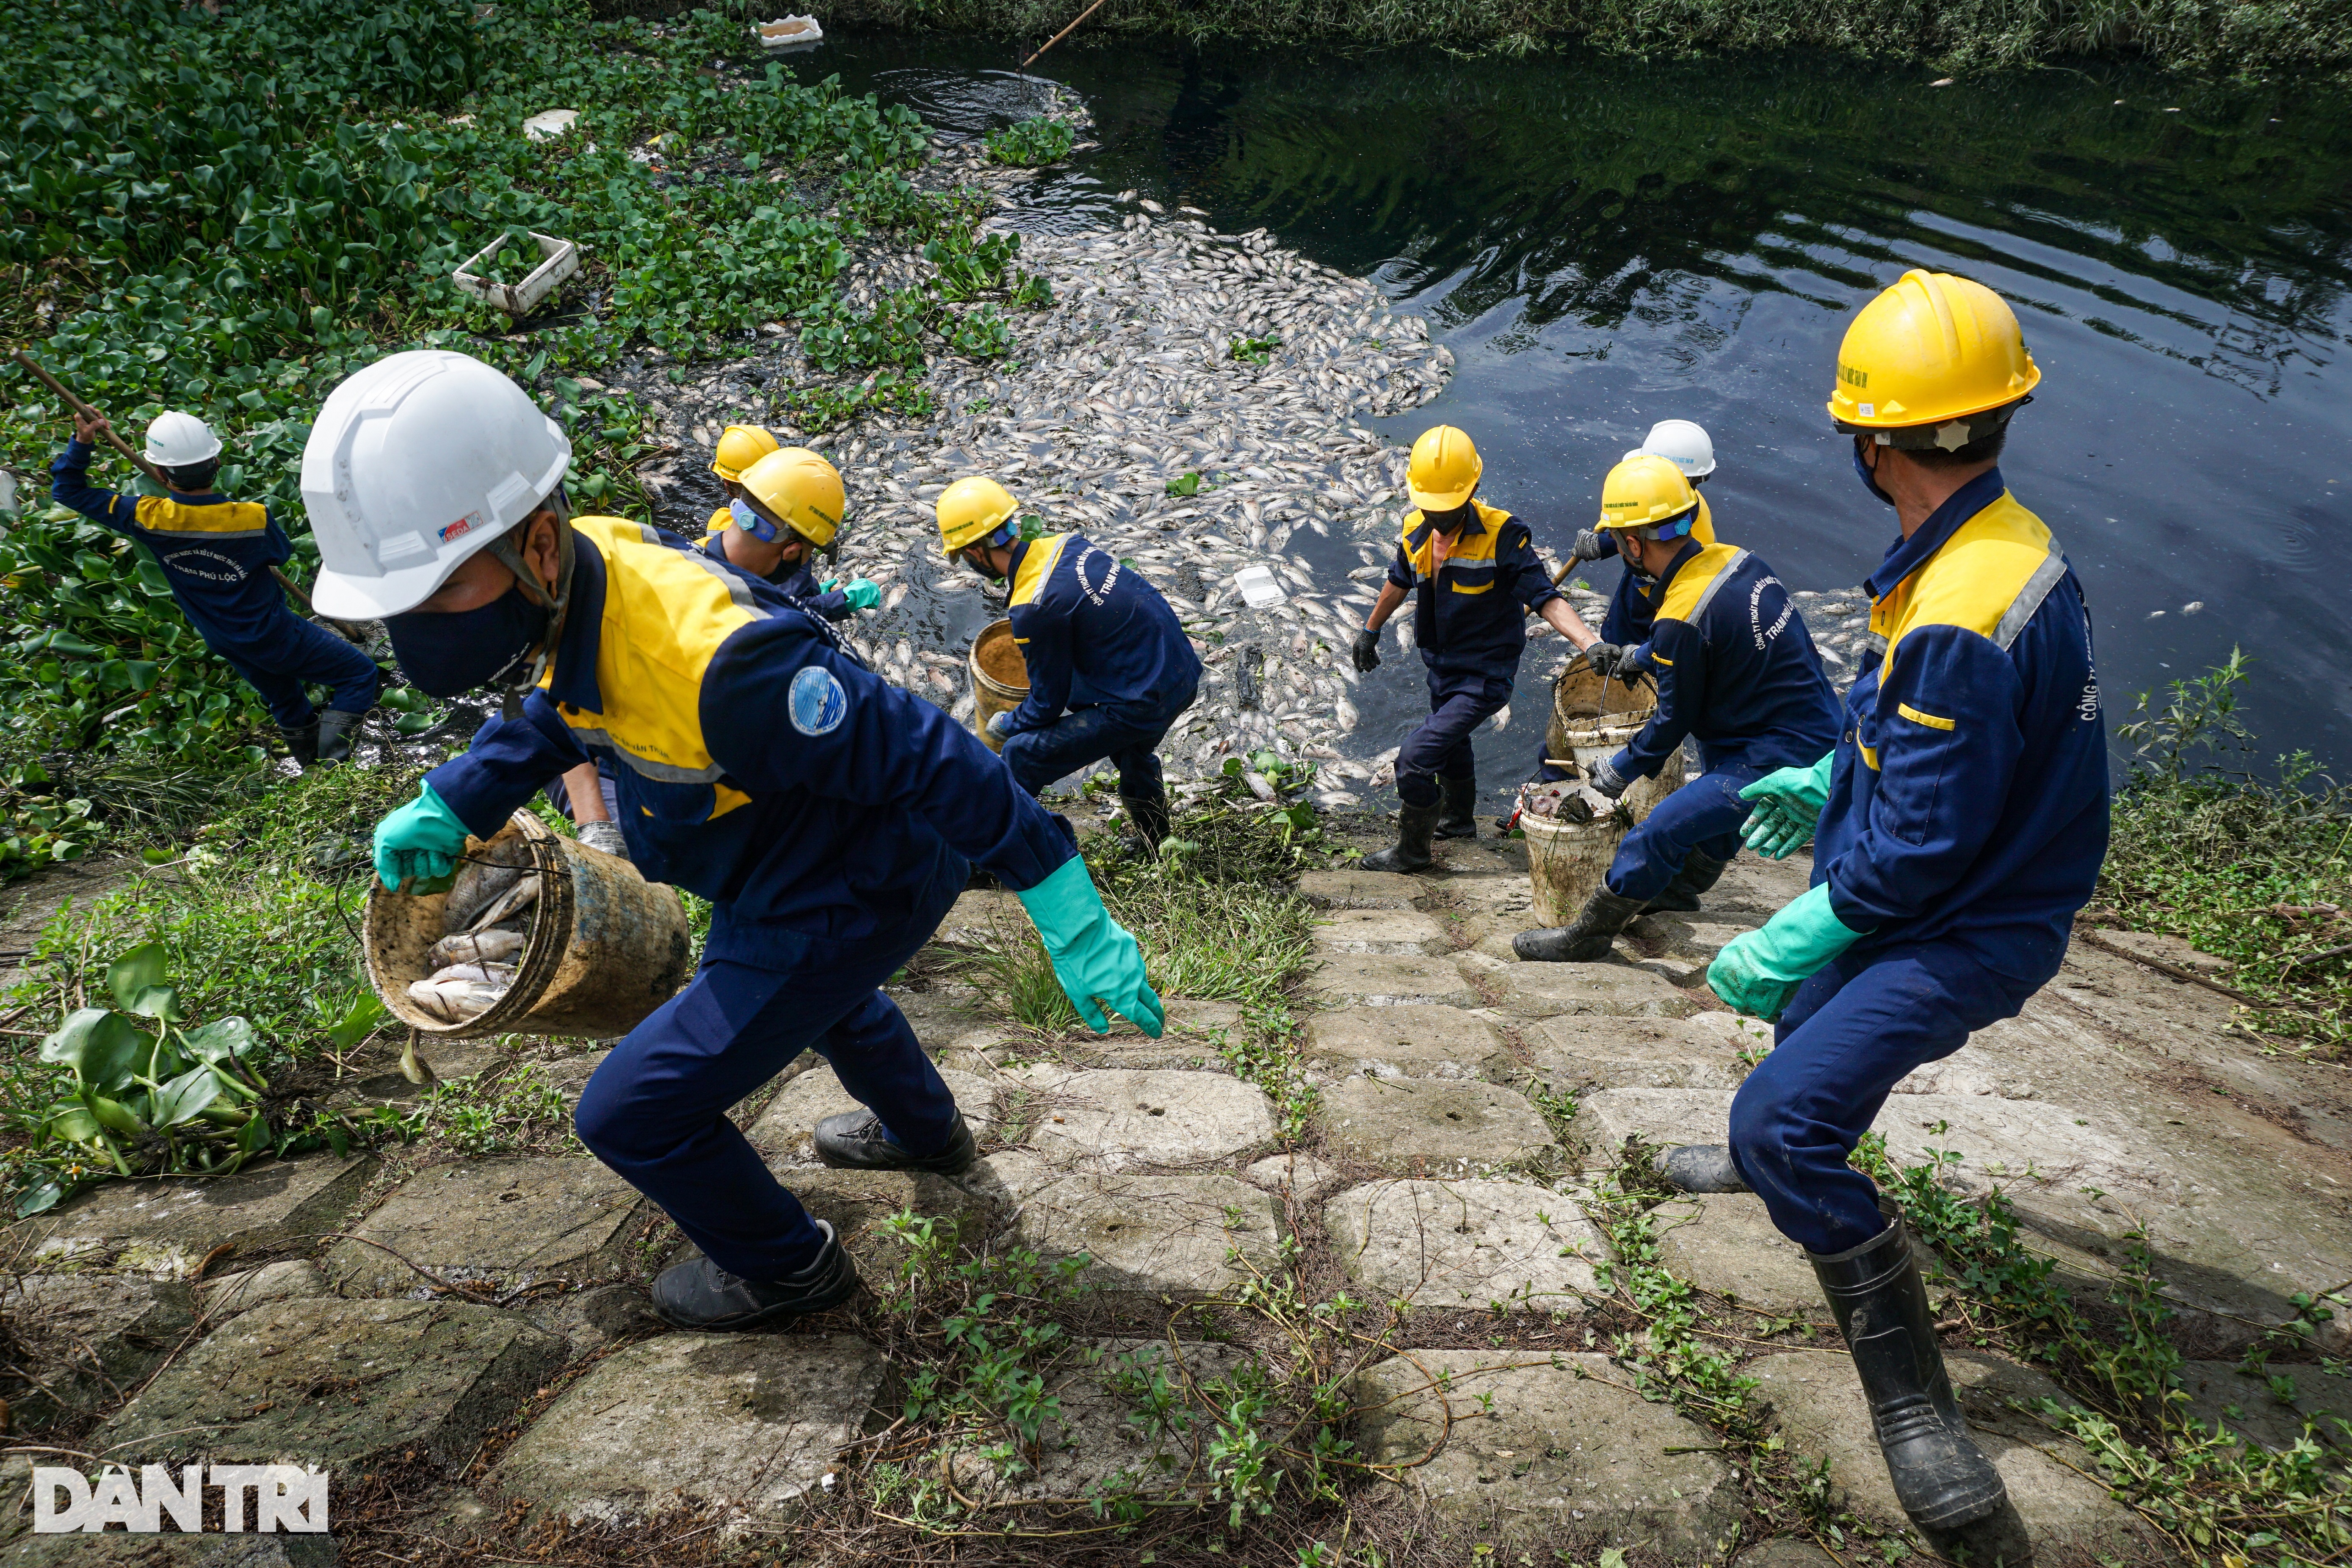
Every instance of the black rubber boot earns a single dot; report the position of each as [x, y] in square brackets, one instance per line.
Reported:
[1605, 914]
[1415, 824]
[335, 729]
[1701, 1168]
[1942, 1479]
[854, 1140]
[701, 1295]
[1700, 872]
[1457, 801]
[301, 743]
[1148, 815]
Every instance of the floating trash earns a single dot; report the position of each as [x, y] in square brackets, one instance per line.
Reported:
[1258, 588]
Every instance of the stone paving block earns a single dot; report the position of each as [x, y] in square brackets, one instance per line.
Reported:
[1111, 1119]
[2222, 1395]
[859, 1203]
[587, 1320]
[1466, 1244]
[1358, 889]
[1553, 1445]
[504, 1223]
[87, 1335]
[167, 1228]
[290, 1279]
[1406, 1042]
[1394, 933]
[1422, 1124]
[786, 1129]
[1302, 1176]
[1580, 1052]
[1361, 980]
[1786, 1552]
[1700, 935]
[1725, 1243]
[1154, 1235]
[1817, 1401]
[115, 1550]
[743, 1424]
[1618, 990]
[340, 1385]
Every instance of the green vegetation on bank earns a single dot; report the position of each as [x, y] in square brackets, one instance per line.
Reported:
[2216, 36]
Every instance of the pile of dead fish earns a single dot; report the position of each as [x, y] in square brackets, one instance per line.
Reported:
[1565, 800]
[488, 920]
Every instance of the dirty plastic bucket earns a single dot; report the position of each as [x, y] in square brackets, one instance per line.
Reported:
[1566, 861]
[606, 946]
[1000, 677]
[1594, 718]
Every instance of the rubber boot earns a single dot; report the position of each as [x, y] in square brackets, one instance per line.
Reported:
[701, 1295]
[856, 1141]
[1457, 800]
[1415, 824]
[335, 730]
[302, 742]
[1941, 1478]
[1702, 1168]
[1605, 914]
[1700, 872]
[1148, 817]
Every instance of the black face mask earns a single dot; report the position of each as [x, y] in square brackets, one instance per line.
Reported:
[1868, 477]
[450, 655]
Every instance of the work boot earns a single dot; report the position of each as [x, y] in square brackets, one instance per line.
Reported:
[1148, 814]
[1605, 914]
[1700, 871]
[1415, 824]
[1941, 1478]
[701, 1295]
[1457, 800]
[1702, 1168]
[301, 743]
[334, 727]
[854, 1140]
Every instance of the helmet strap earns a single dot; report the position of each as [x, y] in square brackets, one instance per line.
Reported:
[555, 597]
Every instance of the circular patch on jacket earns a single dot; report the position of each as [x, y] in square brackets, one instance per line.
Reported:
[818, 704]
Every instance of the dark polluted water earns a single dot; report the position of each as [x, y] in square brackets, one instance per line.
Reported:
[1605, 243]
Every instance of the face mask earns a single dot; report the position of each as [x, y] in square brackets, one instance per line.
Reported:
[450, 655]
[750, 521]
[1869, 479]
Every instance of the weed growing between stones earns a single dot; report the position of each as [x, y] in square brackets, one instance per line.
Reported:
[2255, 871]
[505, 1110]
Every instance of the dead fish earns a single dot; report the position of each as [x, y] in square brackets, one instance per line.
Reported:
[495, 945]
[498, 974]
[455, 1001]
[482, 878]
[516, 899]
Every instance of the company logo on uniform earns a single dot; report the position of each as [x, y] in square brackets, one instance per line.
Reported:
[817, 703]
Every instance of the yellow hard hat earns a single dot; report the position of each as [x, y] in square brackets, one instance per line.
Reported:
[1924, 362]
[1445, 468]
[971, 509]
[739, 446]
[800, 490]
[1644, 490]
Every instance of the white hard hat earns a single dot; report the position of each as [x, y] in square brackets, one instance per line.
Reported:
[176, 440]
[1680, 443]
[416, 462]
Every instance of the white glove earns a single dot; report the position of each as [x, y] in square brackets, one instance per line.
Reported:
[604, 836]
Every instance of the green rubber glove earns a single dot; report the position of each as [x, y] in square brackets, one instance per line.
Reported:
[416, 847]
[1760, 970]
[1788, 805]
[861, 594]
[1093, 955]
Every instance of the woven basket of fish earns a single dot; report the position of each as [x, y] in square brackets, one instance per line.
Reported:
[539, 935]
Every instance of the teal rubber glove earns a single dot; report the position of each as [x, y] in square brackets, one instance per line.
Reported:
[416, 847]
[1093, 955]
[1788, 805]
[1760, 970]
[861, 594]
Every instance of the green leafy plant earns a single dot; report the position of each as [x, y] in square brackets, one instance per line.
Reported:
[1253, 351]
[1032, 143]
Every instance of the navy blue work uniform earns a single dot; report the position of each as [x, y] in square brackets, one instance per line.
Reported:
[830, 817]
[1736, 671]
[1467, 623]
[217, 554]
[1965, 823]
[1109, 666]
[796, 583]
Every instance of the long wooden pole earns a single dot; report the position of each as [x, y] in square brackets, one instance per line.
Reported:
[1063, 33]
[148, 468]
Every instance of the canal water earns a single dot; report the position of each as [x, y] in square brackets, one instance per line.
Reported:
[1605, 243]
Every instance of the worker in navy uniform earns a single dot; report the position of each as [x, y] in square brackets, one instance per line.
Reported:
[216, 556]
[830, 817]
[1957, 827]
[1472, 573]
[787, 506]
[1110, 666]
[1736, 671]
